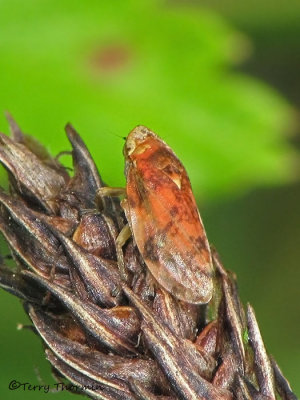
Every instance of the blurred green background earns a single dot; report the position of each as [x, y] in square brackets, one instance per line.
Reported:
[219, 81]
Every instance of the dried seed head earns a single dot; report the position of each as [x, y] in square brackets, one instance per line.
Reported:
[120, 340]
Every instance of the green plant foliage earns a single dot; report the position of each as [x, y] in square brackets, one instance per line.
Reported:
[108, 66]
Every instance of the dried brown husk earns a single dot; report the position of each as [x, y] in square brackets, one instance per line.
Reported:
[118, 340]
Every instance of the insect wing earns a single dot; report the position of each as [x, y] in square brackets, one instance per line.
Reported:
[165, 222]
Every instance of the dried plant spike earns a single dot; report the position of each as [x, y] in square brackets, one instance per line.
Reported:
[264, 369]
[85, 169]
[15, 130]
[282, 385]
[170, 325]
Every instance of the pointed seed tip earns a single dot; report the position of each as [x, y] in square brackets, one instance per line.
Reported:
[72, 134]
[69, 127]
[9, 118]
[250, 311]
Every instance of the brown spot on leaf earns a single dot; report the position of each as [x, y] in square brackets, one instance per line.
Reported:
[111, 58]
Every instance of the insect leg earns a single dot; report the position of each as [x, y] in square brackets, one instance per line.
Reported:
[122, 238]
[125, 232]
[106, 203]
[111, 191]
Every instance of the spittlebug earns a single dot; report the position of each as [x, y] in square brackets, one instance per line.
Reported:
[163, 218]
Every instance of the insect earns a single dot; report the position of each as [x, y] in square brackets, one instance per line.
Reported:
[163, 218]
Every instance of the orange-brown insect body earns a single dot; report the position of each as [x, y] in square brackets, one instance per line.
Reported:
[164, 219]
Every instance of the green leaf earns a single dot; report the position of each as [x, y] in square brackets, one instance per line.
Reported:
[109, 66]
